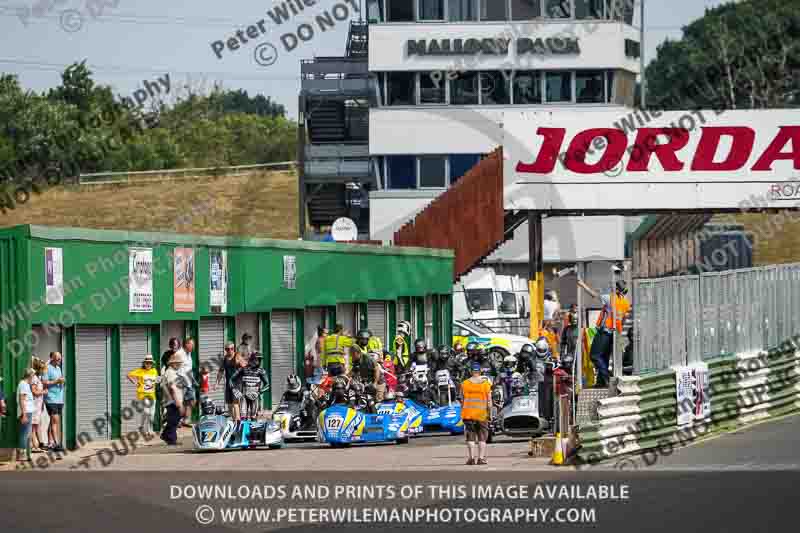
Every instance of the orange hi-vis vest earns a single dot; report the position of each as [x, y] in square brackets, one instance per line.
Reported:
[476, 398]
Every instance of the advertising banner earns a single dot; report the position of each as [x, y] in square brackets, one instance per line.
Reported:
[140, 280]
[53, 276]
[219, 281]
[184, 279]
[692, 393]
[606, 160]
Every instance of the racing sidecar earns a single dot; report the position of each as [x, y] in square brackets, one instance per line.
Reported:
[294, 422]
[426, 419]
[340, 425]
[217, 432]
[520, 417]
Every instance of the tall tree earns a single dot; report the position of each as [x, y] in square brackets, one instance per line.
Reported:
[743, 55]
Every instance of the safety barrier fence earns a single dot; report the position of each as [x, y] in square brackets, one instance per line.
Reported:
[742, 389]
[686, 319]
[102, 178]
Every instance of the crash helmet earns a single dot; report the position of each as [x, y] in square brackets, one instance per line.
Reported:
[420, 346]
[255, 358]
[541, 348]
[293, 384]
[363, 337]
[526, 351]
[473, 349]
[338, 389]
[404, 328]
[566, 362]
[509, 361]
[622, 287]
[207, 406]
[445, 351]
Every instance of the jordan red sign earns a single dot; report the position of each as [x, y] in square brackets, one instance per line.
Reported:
[604, 160]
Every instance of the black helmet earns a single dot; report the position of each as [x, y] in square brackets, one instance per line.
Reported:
[622, 287]
[364, 336]
[293, 383]
[473, 348]
[567, 360]
[527, 349]
[420, 346]
[338, 387]
[207, 407]
[255, 357]
[445, 351]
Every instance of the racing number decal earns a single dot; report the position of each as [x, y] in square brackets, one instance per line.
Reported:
[334, 423]
[385, 411]
[208, 436]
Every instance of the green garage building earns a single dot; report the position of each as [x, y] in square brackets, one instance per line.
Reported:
[106, 298]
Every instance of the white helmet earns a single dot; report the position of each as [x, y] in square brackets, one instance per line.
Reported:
[541, 347]
[510, 360]
[404, 328]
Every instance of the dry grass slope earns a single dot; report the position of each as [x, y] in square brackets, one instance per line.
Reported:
[257, 205]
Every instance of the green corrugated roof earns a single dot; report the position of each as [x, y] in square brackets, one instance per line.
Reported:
[95, 235]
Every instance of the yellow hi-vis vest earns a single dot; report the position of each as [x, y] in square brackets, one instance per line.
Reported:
[335, 346]
[476, 398]
[400, 355]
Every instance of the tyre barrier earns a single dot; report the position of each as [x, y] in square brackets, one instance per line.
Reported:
[642, 416]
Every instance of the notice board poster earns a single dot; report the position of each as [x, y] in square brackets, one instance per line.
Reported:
[183, 272]
[140, 280]
[219, 281]
[53, 276]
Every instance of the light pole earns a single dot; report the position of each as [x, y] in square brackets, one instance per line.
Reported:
[641, 56]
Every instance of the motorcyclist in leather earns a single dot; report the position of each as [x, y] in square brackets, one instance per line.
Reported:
[476, 353]
[526, 365]
[248, 384]
[420, 348]
[339, 395]
[505, 376]
[294, 390]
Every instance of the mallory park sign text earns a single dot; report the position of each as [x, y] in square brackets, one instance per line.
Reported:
[451, 47]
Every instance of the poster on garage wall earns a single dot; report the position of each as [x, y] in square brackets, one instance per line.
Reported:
[219, 281]
[54, 276]
[140, 280]
[184, 280]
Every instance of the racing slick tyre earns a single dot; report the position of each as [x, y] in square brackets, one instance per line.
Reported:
[339, 445]
[404, 440]
[275, 446]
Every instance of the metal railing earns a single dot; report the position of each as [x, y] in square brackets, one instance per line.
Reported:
[686, 319]
[101, 178]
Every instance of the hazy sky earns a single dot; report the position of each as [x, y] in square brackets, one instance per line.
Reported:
[145, 39]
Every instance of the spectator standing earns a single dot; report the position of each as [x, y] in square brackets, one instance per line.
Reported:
[145, 379]
[174, 345]
[54, 400]
[26, 406]
[244, 347]
[172, 396]
[230, 364]
[40, 367]
[477, 408]
[189, 381]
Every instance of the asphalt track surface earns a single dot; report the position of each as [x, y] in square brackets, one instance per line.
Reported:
[745, 481]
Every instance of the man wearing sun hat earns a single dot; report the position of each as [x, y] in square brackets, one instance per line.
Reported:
[145, 379]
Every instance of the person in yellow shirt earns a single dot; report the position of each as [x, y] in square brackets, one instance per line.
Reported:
[603, 342]
[145, 379]
[336, 349]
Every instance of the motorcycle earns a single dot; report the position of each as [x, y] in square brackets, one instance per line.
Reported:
[342, 424]
[216, 431]
[522, 415]
[297, 419]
